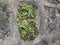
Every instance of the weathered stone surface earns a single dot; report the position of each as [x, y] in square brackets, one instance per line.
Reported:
[48, 23]
[13, 37]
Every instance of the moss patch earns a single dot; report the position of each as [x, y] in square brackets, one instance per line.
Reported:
[26, 21]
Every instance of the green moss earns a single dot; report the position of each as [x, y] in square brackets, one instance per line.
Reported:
[26, 21]
[3, 7]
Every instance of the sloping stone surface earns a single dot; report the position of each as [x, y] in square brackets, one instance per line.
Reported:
[13, 38]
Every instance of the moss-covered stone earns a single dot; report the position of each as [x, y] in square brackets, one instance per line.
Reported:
[26, 21]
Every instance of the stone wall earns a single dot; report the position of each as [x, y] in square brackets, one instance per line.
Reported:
[48, 23]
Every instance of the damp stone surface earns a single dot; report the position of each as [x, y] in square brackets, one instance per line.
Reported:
[4, 22]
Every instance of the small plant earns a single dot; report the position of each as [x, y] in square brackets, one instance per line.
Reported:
[26, 21]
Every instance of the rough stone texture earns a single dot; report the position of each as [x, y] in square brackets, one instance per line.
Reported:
[50, 23]
[13, 38]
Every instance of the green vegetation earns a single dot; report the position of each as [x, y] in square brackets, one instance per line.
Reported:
[26, 21]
